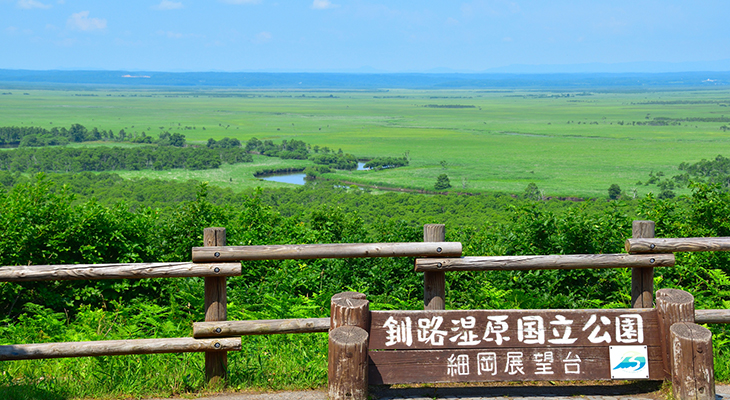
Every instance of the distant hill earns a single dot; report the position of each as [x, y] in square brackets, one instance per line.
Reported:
[642, 67]
[370, 81]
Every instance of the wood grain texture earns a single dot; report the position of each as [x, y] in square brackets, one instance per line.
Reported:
[672, 306]
[347, 367]
[349, 309]
[671, 245]
[116, 271]
[116, 347]
[432, 366]
[434, 282]
[465, 329]
[712, 316]
[569, 261]
[335, 250]
[693, 375]
[260, 327]
[642, 279]
[216, 309]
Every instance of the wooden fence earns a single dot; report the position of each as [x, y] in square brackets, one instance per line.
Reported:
[434, 257]
[215, 336]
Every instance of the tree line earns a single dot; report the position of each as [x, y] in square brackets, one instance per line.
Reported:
[31, 136]
[64, 159]
[299, 150]
[230, 150]
[715, 171]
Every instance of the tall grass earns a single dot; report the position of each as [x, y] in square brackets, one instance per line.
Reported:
[265, 362]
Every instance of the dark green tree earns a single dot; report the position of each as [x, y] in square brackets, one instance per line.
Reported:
[442, 182]
[532, 192]
[614, 192]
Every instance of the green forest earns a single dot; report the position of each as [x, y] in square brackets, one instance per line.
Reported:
[65, 221]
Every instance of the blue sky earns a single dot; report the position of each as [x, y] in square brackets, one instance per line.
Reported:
[362, 36]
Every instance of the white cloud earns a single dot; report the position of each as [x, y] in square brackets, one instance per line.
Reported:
[262, 37]
[82, 22]
[240, 1]
[178, 35]
[171, 34]
[61, 1]
[452, 22]
[30, 4]
[68, 42]
[168, 5]
[12, 30]
[323, 5]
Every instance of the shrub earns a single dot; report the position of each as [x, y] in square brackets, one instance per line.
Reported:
[614, 192]
[442, 182]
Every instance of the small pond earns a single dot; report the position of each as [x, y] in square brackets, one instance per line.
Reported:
[297, 178]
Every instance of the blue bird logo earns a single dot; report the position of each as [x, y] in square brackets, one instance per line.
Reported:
[631, 361]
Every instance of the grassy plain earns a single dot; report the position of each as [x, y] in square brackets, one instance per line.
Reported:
[569, 143]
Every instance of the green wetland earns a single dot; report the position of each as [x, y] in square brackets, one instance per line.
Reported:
[569, 143]
[491, 144]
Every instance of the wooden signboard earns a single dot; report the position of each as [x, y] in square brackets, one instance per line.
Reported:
[514, 345]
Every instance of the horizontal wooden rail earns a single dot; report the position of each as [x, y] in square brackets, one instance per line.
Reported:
[671, 245]
[116, 271]
[712, 316]
[261, 327]
[116, 348]
[313, 325]
[337, 250]
[570, 261]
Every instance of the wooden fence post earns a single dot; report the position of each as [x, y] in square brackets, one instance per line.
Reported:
[348, 363]
[673, 305]
[434, 282]
[347, 367]
[693, 375]
[349, 309]
[642, 279]
[216, 362]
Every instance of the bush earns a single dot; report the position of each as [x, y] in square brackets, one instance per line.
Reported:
[532, 192]
[614, 192]
[442, 182]
[338, 161]
[386, 162]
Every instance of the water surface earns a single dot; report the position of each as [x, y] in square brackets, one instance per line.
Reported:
[297, 178]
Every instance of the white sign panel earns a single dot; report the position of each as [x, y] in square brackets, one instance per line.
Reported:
[629, 362]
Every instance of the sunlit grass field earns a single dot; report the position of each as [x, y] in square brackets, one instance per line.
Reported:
[568, 143]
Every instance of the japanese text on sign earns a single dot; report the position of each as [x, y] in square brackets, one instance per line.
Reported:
[512, 331]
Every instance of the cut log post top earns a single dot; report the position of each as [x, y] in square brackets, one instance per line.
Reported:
[332, 250]
[672, 245]
[673, 305]
[350, 309]
[569, 261]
